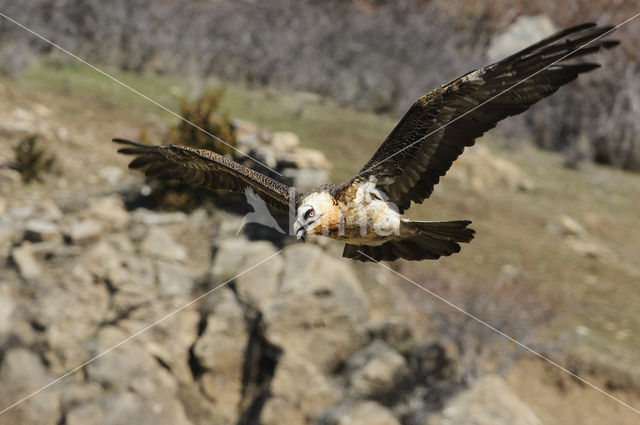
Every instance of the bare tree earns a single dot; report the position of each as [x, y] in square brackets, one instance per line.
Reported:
[507, 304]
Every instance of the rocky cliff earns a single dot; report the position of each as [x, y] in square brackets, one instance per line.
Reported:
[175, 318]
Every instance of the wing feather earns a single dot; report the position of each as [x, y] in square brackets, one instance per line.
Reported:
[437, 128]
[205, 168]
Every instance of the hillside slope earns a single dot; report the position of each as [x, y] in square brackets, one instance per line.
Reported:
[564, 238]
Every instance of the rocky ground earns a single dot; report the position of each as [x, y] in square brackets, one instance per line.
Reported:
[279, 332]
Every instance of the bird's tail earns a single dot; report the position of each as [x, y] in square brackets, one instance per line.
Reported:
[454, 231]
[424, 240]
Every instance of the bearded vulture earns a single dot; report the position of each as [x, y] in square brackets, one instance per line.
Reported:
[365, 212]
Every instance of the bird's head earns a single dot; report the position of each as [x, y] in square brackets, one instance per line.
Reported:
[315, 215]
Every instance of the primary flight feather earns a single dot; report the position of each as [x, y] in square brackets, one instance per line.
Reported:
[365, 212]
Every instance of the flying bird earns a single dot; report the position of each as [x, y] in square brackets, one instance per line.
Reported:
[366, 211]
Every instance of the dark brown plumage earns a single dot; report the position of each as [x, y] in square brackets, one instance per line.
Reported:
[202, 167]
[412, 169]
[409, 163]
[434, 240]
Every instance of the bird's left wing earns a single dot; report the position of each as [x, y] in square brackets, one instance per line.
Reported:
[437, 128]
[202, 167]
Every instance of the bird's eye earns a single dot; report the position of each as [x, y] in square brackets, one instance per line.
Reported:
[309, 214]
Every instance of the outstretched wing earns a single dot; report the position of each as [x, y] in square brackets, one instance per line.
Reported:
[435, 131]
[202, 167]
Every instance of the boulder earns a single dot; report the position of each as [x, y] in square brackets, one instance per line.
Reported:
[305, 179]
[127, 367]
[277, 411]
[84, 231]
[77, 392]
[10, 179]
[42, 110]
[169, 341]
[227, 226]
[265, 155]
[284, 141]
[173, 279]
[525, 31]
[590, 248]
[220, 352]
[48, 210]
[221, 346]
[158, 243]
[567, 226]
[111, 174]
[127, 276]
[199, 409]
[37, 230]
[128, 408]
[480, 170]
[318, 316]
[23, 258]
[246, 133]
[154, 218]
[110, 211]
[8, 234]
[488, 402]
[256, 286]
[235, 255]
[395, 317]
[298, 385]
[68, 316]
[304, 158]
[21, 373]
[578, 239]
[7, 307]
[14, 128]
[225, 392]
[374, 370]
[20, 213]
[359, 413]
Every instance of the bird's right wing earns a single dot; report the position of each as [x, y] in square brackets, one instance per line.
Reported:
[202, 167]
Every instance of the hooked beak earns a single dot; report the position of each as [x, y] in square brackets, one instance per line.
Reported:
[299, 230]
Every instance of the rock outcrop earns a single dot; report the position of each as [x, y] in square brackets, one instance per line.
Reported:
[302, 167]
[174, 318]
[306, 337]
[478, 169]
[525, 31]
[488, 402]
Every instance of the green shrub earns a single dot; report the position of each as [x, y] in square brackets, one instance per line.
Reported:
[204, 113]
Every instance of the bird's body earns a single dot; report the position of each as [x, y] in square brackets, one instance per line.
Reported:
[358, 215]
[366, 211]
[361, 216]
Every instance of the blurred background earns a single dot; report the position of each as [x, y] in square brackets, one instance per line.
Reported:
[91, 253]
